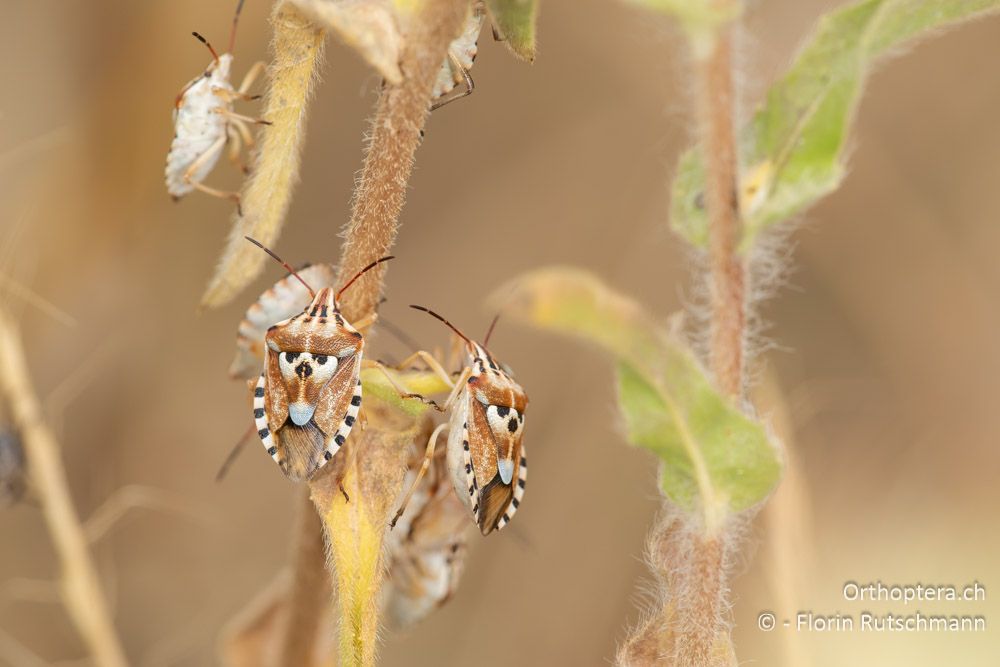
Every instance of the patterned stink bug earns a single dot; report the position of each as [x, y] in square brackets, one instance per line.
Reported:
[308, 396]
[486, 458]
[204, 122]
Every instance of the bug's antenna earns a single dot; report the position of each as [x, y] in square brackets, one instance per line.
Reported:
[232, 32]
[336, 299]
[312, 292]
[206, 43]
[447, 323]
[489, 332]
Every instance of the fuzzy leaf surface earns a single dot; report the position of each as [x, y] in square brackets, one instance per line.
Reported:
[715, 458]
[793, 151]
[515, 22]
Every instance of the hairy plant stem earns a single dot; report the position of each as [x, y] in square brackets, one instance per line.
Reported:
[702, 633]
[395, 135]
[310, 589]
[80, 585]
[689, 553]
[396, 132]
[718, 143]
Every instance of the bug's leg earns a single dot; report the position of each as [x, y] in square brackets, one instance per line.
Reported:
[366, 321]
[210, 154]
[235, 149]
[432, 364]
[457, 389]
[251, 76]
[424, 465]
[232, 115]
[403, 392]
[245, 134]
[470, 85]
[233, 453]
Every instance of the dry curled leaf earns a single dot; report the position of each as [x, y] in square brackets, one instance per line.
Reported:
[368, 26]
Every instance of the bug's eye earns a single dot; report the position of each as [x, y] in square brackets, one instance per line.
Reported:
[291, 356]
[321, 359]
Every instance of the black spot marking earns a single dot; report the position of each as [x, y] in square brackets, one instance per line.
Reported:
[465, 445]
[520, 417]
[515, 502]
[272, 450]
[339, 439]
[307, 320]
[355, 400]
[291, 356]
[524, 462]
[258, 413]
[506, 518]
[263, 433]
[520, 483]
[321, 359]
[503, 410]
[258, 392]
[322, 310]
[349, 420]
[340, 320]
[471, 491]
[303, 370]
[468, 467]
[327, 456]
[322, 320]
[512, 425]
[472, 379]
[356, 334]
[475, 510]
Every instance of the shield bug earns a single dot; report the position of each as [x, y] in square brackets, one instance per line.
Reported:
[205, 122]
[308, 397]
[427, 550]
[487, 462]
[461, 56]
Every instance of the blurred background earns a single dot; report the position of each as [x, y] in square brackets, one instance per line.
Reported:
[883, 339]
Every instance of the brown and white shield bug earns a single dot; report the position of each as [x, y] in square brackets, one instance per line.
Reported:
[308, 397]
[205, 122]
[487, 462]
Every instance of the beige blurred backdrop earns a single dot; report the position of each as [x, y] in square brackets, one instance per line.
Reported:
[883, 339]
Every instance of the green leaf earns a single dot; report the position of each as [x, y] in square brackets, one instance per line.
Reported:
[793, 152]
[715, 458]
[514, 21]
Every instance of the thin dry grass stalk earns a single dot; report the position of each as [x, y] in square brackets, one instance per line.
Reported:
[80, 586]
[298, 54]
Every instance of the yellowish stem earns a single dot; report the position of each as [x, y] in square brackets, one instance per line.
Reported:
[298, 55]
[81, 589]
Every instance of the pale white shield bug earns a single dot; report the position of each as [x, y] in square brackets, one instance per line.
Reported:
[487, 461]
[461, 56]
[427, 548]
[205, 122]
[308, 396]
